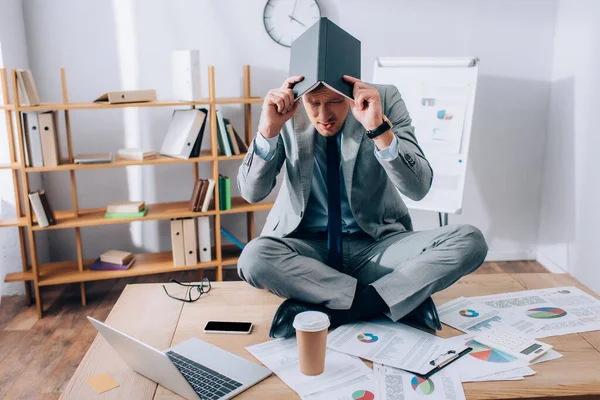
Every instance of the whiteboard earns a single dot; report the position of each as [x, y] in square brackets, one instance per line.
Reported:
[439, 94]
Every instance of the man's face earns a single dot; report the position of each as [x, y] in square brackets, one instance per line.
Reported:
[326, 109]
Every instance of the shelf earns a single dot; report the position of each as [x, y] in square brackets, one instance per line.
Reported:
[230, 254]
[158, 103]
[19, 276]
[95, 216]
[145, 264]
[10, 166]
[7, 107]
[239, 205]
[235, 157]
[239, 100]
[5, 223]
[96, 106]
[205, 155]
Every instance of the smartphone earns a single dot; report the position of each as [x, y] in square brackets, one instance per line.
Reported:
[240, 328]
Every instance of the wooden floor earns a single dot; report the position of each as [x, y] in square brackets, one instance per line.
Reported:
[38, 357]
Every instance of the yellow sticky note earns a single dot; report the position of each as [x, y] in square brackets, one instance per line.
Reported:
[102, 383]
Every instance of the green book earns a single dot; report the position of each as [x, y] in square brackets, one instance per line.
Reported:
[127, 215]
[227, 194]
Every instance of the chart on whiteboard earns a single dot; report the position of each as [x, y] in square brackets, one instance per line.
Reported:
[440, 118]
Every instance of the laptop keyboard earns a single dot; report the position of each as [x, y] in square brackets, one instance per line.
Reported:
[209, 385]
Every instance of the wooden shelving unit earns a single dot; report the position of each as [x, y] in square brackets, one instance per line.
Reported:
[35, 274]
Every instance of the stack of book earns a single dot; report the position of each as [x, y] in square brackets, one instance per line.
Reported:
[185, 241]
[224, 193]
[113, 260]
[126, 209]
[40, 133]
[93, 158]
[137, 154]
[230, 142]
[41, 208]
[29, 93]
[202, 195]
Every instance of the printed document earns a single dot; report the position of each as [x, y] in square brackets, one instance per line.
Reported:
[362, 388]
[281, 357]
[560, 311]
[468, 315]
[395, 384]
[393, 344]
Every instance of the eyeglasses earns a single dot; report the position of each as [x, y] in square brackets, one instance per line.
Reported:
[199, 288]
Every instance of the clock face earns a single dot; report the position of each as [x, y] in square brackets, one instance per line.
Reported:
[285, 20]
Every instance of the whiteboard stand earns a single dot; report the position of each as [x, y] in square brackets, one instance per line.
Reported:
[439, 94]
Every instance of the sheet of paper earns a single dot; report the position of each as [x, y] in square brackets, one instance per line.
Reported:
[482, 361]
[393, 344]
[362, 388]
[395, 384]
[102, 383]
[549, 356]
[561, 310]
[440, 121]
[281, 357]
[468, 315]
[511, 375]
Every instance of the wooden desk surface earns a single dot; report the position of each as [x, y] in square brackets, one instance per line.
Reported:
[146, 313]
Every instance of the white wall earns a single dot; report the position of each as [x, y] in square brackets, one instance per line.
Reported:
[129, 46]
[13, 54]
[570, 213]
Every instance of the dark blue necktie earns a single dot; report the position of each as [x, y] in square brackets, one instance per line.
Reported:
[334, 208]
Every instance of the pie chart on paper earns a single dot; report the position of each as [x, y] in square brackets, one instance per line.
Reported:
[363, 395]
[488, 354]
[546, 313]
[422, 386]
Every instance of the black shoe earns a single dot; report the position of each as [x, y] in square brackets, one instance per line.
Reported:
[282, 327]
[424, 315]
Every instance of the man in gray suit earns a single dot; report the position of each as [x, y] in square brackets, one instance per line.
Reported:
[339, 238]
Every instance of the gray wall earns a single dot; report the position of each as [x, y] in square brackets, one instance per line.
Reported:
[569, 217]
[104, 47]
[13, 54]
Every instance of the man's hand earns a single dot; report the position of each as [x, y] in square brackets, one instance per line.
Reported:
[366, 107]
[278, 107]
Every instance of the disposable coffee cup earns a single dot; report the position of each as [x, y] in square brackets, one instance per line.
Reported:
[311, 334]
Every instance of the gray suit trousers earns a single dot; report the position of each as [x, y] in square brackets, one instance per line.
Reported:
[405, 268]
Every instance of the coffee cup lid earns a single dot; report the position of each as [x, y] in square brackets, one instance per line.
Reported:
[311, 321]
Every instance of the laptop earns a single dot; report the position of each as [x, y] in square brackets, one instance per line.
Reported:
[193, 369]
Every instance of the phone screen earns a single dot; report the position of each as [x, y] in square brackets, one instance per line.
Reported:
[228, 326]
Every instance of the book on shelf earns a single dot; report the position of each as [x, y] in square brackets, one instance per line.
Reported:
[202, 195]
[232, 238]
[240, 141]
[41, 208]
[137, 154]
[204, 245]
[185, 133]
[99, 265]
[224, 193]
[93, 158]
[231, 137]
[222, 136]
[324, 53]
[177, 245]
[116, 257]
[32, 139]
[127, 96]
[210, 192]
[127, 215]
[126, 207]
[26, 83]
[190, 241]
[48, 127]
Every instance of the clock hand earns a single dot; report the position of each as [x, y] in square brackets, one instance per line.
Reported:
[294, 9]
[292, 18]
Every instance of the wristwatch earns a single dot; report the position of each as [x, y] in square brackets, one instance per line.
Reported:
[384, 127]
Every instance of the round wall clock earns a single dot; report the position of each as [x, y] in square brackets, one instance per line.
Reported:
[285, 20]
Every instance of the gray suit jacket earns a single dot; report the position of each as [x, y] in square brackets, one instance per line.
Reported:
[370, 182]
